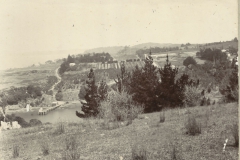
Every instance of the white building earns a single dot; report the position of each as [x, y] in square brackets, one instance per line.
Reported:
[72, 64]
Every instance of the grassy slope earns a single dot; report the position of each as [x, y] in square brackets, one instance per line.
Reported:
[24, 76]
[97, 143]
[223, 45]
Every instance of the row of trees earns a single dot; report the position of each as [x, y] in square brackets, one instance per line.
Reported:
[141, 52]
[21, 94]
[151, 87]
[212, 54]
[85, 58]
[156, 88]
[93, 57]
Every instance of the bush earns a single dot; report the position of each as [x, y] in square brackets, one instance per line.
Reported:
[175, 153]
[192, 96]
[188, 61]
[60, 128]
[35, 122]
[49, 92]
[45, 147]
[59, 96]
[15, 151]
[119, 107]
[21, 121]
[231, 91]
[71, 143]
[71, 152]
[235, 131]
[162, 117]
[139, 154]
[192, 126]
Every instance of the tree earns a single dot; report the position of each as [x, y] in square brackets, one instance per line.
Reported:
[34, 91]
[231, 91]
[3, 104]
[169, 94]
[212, 55]
[235, 39]
[143, 85]
[59, 96]
[70, 59]
[122, 79]
[102, 90]
[91, 97]
[188, 61]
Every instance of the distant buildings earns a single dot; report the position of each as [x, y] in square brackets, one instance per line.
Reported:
[72, 64]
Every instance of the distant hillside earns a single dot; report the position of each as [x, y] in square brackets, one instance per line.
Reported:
[221, 45]
[128, 52]
[150, 44]
[111, 50]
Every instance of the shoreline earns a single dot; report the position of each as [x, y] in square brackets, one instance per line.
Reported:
[22, 110]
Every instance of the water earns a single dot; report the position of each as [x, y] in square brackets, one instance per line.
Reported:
[65, 113]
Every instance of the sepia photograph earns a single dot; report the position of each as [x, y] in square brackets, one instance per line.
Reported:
[119, 80]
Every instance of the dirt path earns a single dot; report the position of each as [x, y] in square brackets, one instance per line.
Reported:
[58, 77]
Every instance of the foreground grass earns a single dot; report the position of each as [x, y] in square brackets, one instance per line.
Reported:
[160, 140]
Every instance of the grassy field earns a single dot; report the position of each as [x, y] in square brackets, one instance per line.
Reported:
[223, 45]
[89, 139]
[21, 77]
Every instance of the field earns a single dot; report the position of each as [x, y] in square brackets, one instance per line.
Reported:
[92, 141]
[223, 45]
[25, 76]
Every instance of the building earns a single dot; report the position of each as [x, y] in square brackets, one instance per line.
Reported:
[72, 64]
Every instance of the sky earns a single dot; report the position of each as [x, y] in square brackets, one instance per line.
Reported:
[34, 31]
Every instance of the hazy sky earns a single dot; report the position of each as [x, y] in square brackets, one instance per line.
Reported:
[41, 26]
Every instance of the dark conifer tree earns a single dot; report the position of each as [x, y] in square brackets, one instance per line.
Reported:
[143, 85]
[122, 81]
[169, 93]
[232, 87]
[91, 97]
[102, 90]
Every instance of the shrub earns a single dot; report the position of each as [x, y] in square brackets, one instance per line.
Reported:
[235, 131]
[192, 126]
[21, 121]
[230, 91]
[71, 143]
[60, 128]
[119, 107]
[192, 96]
[162, 117]
[59, 96]
[50, 92]
[35, 122]
[15, 151]
[71, 152]
[175, 155]
[139, 154]
[45, 147]
[188, 61]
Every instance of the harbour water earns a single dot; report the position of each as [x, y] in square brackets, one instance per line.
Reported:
[64, 113]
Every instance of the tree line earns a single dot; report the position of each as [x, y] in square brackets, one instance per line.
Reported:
[151, 87]
[156, 88]
[141, 52]
[85, 58]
